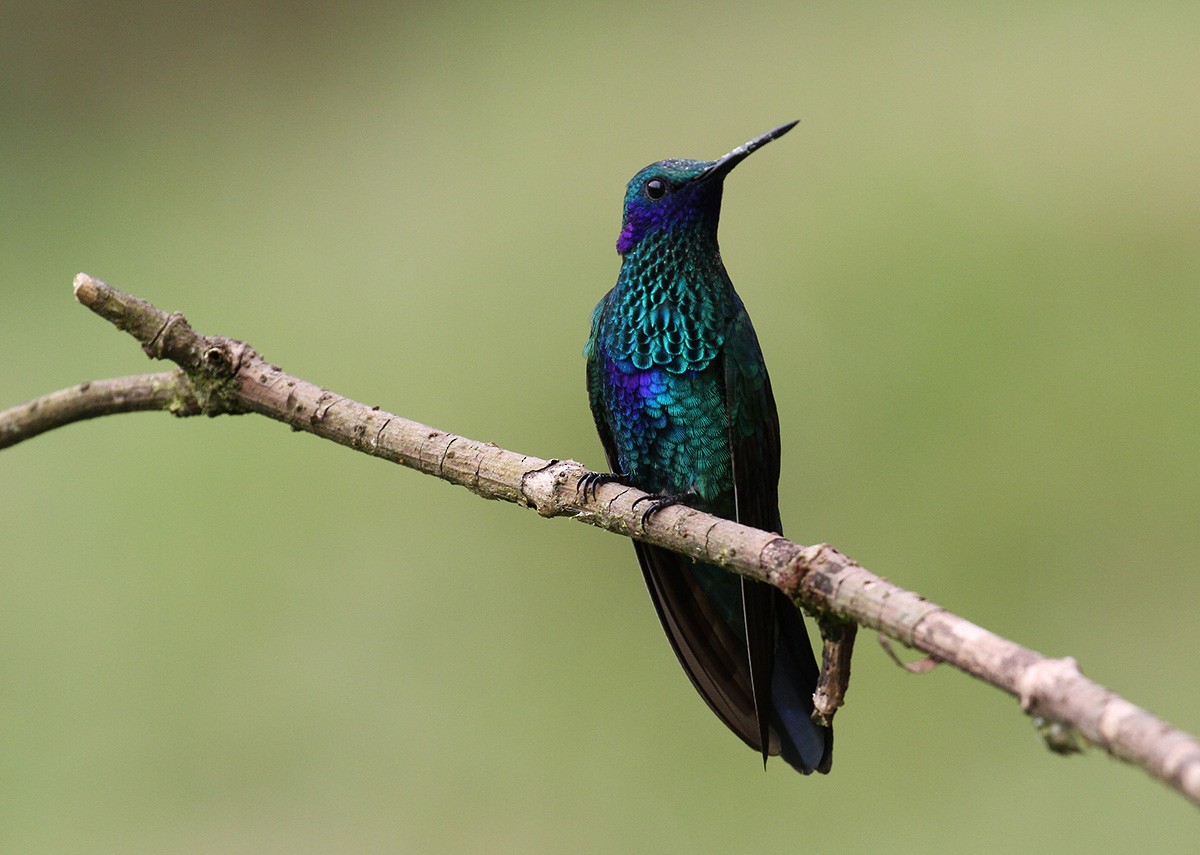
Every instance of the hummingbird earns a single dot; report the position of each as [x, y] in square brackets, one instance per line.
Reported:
[683, 405]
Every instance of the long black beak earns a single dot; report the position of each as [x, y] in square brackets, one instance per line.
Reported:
[721, 166]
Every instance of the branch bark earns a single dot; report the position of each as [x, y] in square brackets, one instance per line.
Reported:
[218, 375]
[168, 390]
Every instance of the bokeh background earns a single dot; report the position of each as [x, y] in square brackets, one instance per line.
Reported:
[974, 268]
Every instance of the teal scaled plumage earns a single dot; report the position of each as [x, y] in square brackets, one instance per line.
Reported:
[684, 408]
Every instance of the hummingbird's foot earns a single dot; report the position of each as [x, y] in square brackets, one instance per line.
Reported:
[589, 482]
[659, 502]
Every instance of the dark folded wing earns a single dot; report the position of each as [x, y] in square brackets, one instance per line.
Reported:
[782, 663]
[754, 452]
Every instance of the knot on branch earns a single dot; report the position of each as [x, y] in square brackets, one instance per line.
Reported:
[214, 374]
[551, 489]
[1042, 686]
[819, 570]
[210, 362]
[223, 357]
[1043, 679]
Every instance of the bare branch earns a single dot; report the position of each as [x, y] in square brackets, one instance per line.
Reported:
[168, 390]
[226, 376]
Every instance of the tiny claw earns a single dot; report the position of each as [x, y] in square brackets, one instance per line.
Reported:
[589, 482]
[659, 502]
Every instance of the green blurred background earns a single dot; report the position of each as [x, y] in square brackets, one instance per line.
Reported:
[973, 269]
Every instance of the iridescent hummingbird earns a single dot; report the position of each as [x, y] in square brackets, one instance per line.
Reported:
[683, 405]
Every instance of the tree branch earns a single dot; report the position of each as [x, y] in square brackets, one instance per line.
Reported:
[219, 375]
[168, 390]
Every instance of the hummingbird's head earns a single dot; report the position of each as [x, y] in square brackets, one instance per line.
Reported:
[681, 194]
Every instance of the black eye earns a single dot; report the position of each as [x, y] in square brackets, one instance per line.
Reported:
[656, 188]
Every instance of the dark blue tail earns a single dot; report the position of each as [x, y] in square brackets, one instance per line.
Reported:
[805, 745]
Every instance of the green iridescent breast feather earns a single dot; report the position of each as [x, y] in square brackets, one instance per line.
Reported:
[659, 315]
